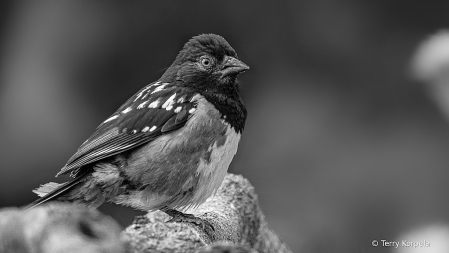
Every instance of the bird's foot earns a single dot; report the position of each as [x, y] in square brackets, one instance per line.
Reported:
[178, 216]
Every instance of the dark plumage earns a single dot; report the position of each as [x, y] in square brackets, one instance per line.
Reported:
[169, 146]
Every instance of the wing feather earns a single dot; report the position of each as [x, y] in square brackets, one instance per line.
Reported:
[156, 109]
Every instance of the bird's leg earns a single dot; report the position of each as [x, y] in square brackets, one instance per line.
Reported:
[178, 216]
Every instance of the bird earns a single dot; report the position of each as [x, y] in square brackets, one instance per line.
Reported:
[169, 146]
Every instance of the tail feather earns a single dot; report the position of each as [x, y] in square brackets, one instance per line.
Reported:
[52, 191]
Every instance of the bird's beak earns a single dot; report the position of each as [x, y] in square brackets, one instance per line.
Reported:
[232, 66]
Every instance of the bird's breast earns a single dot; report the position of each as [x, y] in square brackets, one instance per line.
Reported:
[213, 166]
[184, 167]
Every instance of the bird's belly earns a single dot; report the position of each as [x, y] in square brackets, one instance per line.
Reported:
[183, 168]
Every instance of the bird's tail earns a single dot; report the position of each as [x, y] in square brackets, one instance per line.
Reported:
[52, 191]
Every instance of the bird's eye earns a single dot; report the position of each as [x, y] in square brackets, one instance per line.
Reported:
[206, 61]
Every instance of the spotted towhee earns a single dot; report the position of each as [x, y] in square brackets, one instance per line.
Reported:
[170, 145]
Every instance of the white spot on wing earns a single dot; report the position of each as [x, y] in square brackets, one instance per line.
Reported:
[145, 129]
[153, 128]
[137, 97]
[181, 99]
[192, 110]
[111, 118]
[142, 91]
[127, 110]
[142, 105]
[134, 131]
[178, 109]
[169, 103]
[159, 88]
[153, 104]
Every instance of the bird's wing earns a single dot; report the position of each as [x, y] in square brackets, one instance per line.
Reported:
[156, 109]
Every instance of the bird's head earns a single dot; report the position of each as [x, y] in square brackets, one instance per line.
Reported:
[206, 63]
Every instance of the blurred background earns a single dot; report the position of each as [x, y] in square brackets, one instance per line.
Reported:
[342, 145]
